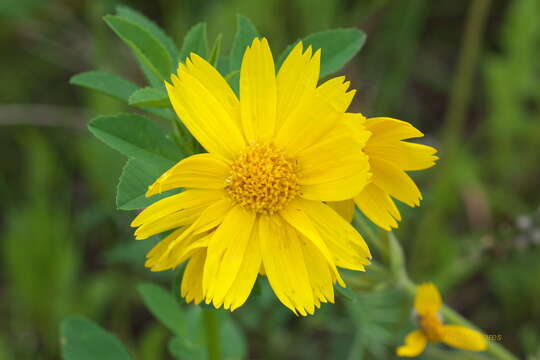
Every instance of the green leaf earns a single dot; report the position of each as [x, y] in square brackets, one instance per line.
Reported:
[233, 340]
[136, 176]
[245, 33]
[82, 339]
[216, 50]
[196, 40]
[337, 46]
[181, 351]
[149, 97]
[347, 294]
[143, 44]
[153, 28]
[164, 307]
[136, 137]
[111, 85]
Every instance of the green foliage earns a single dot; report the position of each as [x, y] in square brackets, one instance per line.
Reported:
[155, 30]
[144, 45]
[108, 84]
[337, 46]
[164, 307]
[136, 176]
[196, 41]
[136, 137]
[245, 33]
[149, 97]
[81, 339]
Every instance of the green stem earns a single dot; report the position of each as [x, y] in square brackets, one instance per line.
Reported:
[211, 327]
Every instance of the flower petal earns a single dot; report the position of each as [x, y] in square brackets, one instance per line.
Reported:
[335, 91]
[428, 299]
[334, 169]
[284, 264]
[191, 289]
[403, 155]
[207, 106]
[347, 246]
[344, 208]
[395, 182]
[385, 129]
[210, 218]
[378, 207]
[245, 279]
[258, 92]
[295, 215]
[298, 74]
[200, 171]
[415, 343]
[308, 123]
[174, 211]
[225, 254]
[463, 338]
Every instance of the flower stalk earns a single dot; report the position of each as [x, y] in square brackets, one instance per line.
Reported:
[211, 330]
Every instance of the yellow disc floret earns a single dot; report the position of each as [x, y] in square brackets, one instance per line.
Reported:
[263, 179]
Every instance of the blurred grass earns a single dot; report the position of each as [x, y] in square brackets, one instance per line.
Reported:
[476, 235]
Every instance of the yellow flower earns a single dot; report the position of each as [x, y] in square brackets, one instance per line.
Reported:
[427, 305]
[389, 159]
[254, 204]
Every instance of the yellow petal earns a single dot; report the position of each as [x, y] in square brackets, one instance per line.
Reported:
[335, 92]
[378, 207]
[387, 129]
[284, 264]
[334, 169]
[415, 343]
[322, 274]
[186, 200]
[181, 252]
[258, 92]
[210, 218]
[344, 208]
[200, 171]
[428, 299]
[395, 182]
[245, 279]
[295, 215]
[174, 211]
[226, 252]
[191, 289]
[463, 338]
[207, 106]
[403, 155]
[347, 246]
[158, 250]
[308, 123]
[298, 74]
[356, 123]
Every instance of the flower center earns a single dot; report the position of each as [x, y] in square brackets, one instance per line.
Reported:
[431, 325]
[263, 179]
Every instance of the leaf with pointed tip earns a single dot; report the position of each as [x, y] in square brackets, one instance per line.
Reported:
[105, 83]
[144, 45]
[81, 339]
[134, 181]
[337, 46]
[196, 41]
[151, 97]
[153, 28]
